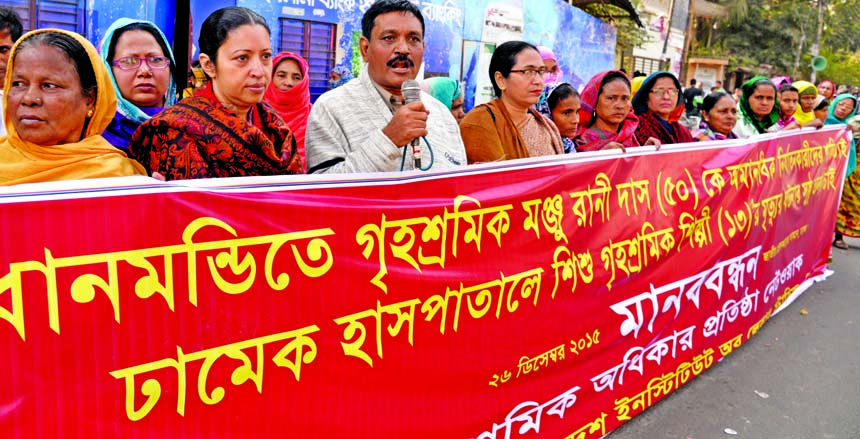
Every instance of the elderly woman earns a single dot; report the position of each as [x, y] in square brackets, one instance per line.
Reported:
[447, 91]
[659, 105]
[289, 94]
[759, 113]
[605, 116]
[719, 115]
[59, 99]
[224, 130]
[138, 57]
[560, 103]
[842, 110]
[508, 127]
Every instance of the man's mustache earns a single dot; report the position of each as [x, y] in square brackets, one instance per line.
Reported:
[400, 57]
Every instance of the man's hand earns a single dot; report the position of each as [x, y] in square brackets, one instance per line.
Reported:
[409, 122]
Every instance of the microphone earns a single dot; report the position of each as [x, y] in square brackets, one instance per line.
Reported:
[411, 92]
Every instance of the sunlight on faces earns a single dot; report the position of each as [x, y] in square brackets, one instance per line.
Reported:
[843, 108]
[457, 108]
[5, 48]
[613, 104]
[46, 101]
[807, 103]
[566, 116]
[788, 102]
[143, 86]
[394, 33]
[762, 100]
[243, 67]
[520, 89]
[723, 117]
[663, 97]
[288, 74]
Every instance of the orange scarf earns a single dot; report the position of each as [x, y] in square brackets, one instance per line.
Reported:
[92, 157]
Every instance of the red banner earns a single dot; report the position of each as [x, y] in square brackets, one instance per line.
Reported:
[540, 298]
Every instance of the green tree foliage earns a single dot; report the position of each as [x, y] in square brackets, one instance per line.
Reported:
[777, 36]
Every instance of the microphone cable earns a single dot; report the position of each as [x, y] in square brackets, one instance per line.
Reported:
[432, 157]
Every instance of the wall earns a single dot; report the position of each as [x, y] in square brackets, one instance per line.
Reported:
[583, 44]
[460, 34]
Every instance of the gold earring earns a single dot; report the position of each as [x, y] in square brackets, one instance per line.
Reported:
[90, 113]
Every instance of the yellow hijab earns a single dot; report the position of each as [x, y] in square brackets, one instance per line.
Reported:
[804, 89]
[92, 157]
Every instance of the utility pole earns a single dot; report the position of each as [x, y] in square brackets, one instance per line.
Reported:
[816, 47]
[668, 35]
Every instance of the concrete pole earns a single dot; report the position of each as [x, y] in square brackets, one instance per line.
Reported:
[816, 47]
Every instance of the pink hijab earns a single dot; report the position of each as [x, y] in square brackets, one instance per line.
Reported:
[551, 77]
[294, 104]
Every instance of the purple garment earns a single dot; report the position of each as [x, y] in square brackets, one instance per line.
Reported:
[120, 130]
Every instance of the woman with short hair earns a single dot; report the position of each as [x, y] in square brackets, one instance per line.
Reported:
[223, 130]
[59, 99]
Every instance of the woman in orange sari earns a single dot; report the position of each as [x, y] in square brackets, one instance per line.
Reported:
[59, 100]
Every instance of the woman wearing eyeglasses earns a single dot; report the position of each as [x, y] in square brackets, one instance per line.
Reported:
[508, 127]
[58, 102]
[224, 130]
[140, 62]
[659, 106]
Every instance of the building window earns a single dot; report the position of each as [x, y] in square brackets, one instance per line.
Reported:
[40, 14]
[315, 42]
[646, 65]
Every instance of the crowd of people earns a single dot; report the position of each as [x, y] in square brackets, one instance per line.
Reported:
[73, 111]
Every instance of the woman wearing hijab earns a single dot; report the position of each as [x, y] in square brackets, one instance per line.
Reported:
[339, 76]
[554, 74]
[447, 91]
[289, 94]
[842, 110]
[141, 66]
[758, 110]
[659, 105]
[807, 94]
[224, 130]
[59, 99]
[560, 103]
[827, 88]
[508, 127]
[605, 116]
[719, 116]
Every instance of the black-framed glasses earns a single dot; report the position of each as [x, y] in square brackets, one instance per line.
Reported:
[156, 62]
[531, 73]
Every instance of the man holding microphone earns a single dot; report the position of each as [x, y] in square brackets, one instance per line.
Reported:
[365, 125]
